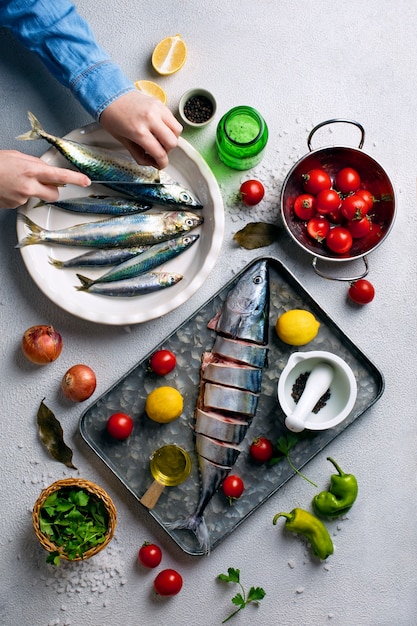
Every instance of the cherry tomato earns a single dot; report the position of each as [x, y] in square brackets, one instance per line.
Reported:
[168, 582]
[327, 201]
[261, 450]
[359, 228]
[339, 240]
[318, 228]
[347, 180]
[162, 362]
[304, 206]
[150, 555]
[354, 207]
[252, 192]
[233, 487]
[120, 425]
[316, 180]
[361, 291]
[367, 196]
[335, 217]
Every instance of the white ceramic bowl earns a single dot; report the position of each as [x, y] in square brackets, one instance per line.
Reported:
[343, 388]
[189, 95]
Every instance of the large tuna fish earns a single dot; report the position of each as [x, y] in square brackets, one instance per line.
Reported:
[229, 387]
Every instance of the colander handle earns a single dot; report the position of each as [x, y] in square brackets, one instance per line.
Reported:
[336, 121]
[351, 279]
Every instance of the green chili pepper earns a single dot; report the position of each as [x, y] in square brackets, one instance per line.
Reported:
[341, 495]
[313, 529]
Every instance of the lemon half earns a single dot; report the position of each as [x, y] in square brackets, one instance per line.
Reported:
[169, 55]
[151, 89]
[297, 327]
[164, 405]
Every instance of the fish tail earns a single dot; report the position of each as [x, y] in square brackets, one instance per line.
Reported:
[56, 263]
[36, 131]
[86, 282]
[197, 525]
[33, 236]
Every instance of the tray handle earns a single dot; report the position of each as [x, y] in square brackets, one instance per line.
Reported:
[351, 279]
[336, 121]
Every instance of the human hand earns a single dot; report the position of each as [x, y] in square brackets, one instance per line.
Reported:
[144, 125]
[23, 176]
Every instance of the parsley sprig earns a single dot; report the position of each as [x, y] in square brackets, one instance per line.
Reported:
[75, 521]
[284, 445]
[240, 600]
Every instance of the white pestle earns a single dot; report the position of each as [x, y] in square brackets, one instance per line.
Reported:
[317, 384]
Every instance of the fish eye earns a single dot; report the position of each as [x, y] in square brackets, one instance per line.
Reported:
[185, 197]
[257, 280]
[189, 222]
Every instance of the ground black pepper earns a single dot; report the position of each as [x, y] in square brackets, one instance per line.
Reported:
[198, 109]
[298, 388]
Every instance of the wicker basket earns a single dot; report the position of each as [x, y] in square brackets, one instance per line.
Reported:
[93, 489]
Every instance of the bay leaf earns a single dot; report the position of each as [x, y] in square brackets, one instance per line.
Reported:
[257, 235]
[52, 436]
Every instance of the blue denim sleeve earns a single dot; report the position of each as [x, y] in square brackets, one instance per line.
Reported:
[67, 46]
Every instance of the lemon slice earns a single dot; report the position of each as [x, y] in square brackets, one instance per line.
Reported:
[169, 55]
[151, 89]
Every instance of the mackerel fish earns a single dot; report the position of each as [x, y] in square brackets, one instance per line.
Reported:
[138, 285]
[99, 258]
[225, 408]
[115, 232]
[100, 205]
[106, 165]
[149, 260]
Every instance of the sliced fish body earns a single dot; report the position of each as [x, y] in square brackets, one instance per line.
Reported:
[220, 427]
[219, 452]
[230, 400]
[233, 375]
[240, 351]
[136, 286]
[245, 312]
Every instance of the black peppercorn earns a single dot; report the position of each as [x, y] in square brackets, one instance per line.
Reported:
[198, 109]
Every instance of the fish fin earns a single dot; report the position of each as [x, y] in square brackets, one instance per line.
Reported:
[86, 282]
[33, 236]
[36, 130]
[56, 263]
[197, 524]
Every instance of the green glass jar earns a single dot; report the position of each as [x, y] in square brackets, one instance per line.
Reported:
[241, 137]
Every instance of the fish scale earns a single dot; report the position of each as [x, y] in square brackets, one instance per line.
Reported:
[224, 411]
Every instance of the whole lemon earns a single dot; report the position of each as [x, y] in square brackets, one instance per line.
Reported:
[297, 327]
[164, 405]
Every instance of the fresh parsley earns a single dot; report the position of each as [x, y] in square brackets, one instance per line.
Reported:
[241, 599]
[284, 445]
[74, 521]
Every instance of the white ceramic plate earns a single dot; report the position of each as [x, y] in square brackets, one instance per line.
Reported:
[188, 167]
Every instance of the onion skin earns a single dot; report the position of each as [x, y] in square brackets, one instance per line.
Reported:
[42, 344]
[79, 383]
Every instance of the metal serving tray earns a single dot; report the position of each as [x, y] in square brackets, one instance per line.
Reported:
[129, 459]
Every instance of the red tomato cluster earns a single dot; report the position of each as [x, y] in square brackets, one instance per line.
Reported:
[336, 212]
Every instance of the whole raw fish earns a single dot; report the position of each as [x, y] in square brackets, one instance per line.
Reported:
[105, 165]
[224, 410]
[101, 205]
[138, 285]
[99, 258]
[115, 232]
[149, 260]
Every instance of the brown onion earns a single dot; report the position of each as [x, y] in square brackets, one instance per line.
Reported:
[79, 383]
[42, 344]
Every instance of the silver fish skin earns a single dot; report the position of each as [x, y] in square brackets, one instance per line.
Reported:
[220, 452]
[233, 375]
[106, 165]
[220, 427]
[99, 258]
[230, 400]
[245, 314]
[149, 260]
[138, 285]
[115, 232]
[240, 351]
[100, 205]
